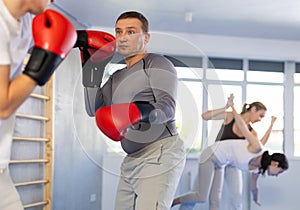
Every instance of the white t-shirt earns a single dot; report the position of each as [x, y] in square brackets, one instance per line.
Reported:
[234, 152]
[14, 44]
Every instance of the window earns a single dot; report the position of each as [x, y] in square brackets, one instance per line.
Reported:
[184, 73]
[188, 113]
[296, 120]
[262, 76]
[225, 75]
[265, 71]
[265, 84]
[297, 111]
[272, 97]
[263, 81]
[189, 106]
[225, 69]
[297, 78]
[201, 89]
[217, 95]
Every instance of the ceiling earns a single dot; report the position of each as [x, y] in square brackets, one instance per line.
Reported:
[271, 19]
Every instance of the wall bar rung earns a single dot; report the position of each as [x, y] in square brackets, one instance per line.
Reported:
[31, 183]
[32, 117]
[39, 96]
[29, 161]
[21, 138]
[42, 203]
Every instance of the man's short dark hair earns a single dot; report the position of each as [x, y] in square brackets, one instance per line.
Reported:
[137, 15]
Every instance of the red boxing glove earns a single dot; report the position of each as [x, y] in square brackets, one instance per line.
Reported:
[96, 50]
[100, 45]
[54, 36]
[114, 120]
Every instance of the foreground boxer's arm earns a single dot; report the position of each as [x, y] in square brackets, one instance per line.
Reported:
[96, 50]
[54, 36]
[13, 93]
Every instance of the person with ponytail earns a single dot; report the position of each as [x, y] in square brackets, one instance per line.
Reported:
[251, 113]
[247, 155]
[269, 164]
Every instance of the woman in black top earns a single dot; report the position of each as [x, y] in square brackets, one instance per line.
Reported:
[251, 113]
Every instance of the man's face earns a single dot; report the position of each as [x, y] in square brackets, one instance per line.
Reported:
[131, 39]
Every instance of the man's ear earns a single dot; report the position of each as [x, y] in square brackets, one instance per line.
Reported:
[147, 38]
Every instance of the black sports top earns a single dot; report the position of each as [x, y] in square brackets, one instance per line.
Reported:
[226, 132]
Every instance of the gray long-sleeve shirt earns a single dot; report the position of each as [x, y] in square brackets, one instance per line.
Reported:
[153, 79]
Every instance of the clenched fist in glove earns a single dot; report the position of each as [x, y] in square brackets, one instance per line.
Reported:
[54, 36]
[114, 120]
[96, 50]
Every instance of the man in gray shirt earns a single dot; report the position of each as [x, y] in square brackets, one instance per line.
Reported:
[137, 107]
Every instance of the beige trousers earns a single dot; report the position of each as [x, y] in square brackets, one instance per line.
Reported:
[149, 177]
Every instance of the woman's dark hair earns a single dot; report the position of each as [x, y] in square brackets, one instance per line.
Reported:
[258, 105]
[277, 157]
[134, 14]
